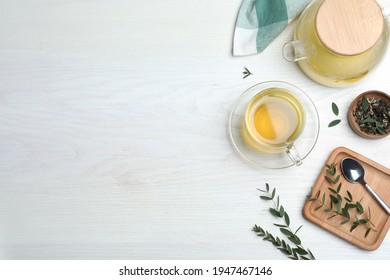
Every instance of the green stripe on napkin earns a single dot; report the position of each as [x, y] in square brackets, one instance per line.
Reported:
[260, 21]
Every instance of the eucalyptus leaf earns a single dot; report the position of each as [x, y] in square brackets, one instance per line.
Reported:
[333, 190]
[294, 239]
[310, 253]
[359, 207]
[365, 103]
[368, 120]
[335, 109]
[346, 213]
[286, 232]
[295, 233]
[362, 221]
[279, 225]
[330, 180]
[334, 123]
[380, 130]
[354, 226]
[334, 199]
[339, 206]
[274, 212]
[286, 218]
[273, 194]
[330, 172]
[281, 211]
[301, 251]
[339, 187]
[323, 198]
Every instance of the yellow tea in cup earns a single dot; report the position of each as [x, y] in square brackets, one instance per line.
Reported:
[274, 118]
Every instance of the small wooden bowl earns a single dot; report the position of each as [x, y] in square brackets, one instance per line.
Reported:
[351, 119]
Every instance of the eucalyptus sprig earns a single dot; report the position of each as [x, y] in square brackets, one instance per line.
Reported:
[297, 252]
[339, 205]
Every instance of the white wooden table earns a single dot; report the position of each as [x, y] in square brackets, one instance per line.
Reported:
[113, 134]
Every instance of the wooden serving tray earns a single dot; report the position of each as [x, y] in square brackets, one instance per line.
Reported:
[378, 177]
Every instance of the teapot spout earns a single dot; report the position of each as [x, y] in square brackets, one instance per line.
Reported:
[294, 51]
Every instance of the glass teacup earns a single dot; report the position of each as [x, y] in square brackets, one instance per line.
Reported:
[274, 119]
[274, 125]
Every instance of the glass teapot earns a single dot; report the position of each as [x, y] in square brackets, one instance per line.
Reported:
[338, 42]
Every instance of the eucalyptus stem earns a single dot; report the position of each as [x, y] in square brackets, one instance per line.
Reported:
[296, 253]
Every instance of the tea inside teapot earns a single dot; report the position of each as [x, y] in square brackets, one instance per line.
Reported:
[338, 42]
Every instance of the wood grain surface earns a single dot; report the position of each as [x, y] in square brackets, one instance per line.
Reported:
[113, 134]
[349, 27]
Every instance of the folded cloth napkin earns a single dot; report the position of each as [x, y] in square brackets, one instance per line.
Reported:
[260, 21]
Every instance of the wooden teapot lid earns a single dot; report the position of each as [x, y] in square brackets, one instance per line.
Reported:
[349, 27]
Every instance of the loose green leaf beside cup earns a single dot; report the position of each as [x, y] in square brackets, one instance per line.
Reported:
[335, 110]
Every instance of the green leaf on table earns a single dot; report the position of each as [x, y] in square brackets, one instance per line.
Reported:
[286, 218]
[275, 212]
[281, 211]
[301, 251]
[295, 239]
[279, 225]
[335, 109]
[295, 233]
[286, 232]
[273, 194]
[334, 123]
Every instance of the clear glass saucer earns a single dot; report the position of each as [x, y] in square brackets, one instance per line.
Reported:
[304, 144]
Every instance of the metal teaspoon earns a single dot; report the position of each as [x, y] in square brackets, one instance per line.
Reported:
[354, 172]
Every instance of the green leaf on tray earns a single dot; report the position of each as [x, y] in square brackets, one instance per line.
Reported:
[341, 203]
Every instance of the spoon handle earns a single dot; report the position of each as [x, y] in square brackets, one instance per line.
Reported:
[380, 201]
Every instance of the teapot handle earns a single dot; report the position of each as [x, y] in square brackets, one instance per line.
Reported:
[294, 51]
